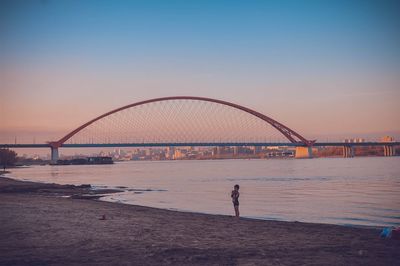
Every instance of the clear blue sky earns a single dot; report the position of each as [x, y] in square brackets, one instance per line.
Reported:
[321, 67]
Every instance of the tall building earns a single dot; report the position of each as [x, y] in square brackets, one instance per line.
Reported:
[170, 153]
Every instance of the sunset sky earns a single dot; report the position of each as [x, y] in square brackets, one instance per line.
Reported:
[323, 68]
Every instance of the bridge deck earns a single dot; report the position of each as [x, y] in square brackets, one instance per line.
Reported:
[202, 144]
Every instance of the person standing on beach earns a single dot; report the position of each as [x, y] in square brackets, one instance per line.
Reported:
[235, 199]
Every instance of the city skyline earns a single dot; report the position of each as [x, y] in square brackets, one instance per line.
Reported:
[327, 70]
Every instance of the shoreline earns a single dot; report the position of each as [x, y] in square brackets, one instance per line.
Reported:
[88, 191]
[41, 226]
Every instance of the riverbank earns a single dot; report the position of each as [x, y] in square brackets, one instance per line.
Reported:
[41, 226]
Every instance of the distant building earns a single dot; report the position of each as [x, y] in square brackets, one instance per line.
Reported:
[178, 154]
[170, 153]
[387, 139]
[355, 140]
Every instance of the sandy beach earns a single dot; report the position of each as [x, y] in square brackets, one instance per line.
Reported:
[41, 224]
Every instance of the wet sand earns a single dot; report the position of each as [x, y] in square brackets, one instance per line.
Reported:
[39, 225]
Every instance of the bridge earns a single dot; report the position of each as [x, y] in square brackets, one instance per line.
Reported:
[189, 121]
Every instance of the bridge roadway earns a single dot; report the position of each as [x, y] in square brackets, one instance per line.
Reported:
[202, 144]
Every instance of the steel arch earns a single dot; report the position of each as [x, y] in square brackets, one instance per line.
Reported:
[287, 132]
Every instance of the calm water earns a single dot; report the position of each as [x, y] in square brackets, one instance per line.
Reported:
[356, 191]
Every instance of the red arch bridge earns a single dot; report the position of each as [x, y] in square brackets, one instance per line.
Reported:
[189, 121]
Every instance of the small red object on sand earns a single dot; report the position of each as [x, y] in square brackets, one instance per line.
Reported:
[103, 217]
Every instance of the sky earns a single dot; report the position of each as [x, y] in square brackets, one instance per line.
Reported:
[323, 68]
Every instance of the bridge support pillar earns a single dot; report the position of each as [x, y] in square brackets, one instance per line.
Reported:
[348, 151]
[54, 155]
[388, 150]
[303, 152]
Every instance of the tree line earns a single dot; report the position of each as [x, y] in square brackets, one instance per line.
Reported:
[7, 158]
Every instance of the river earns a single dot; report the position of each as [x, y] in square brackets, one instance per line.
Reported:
[348, 191]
